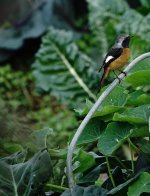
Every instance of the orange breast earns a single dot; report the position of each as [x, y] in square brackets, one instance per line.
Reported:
[121, 61]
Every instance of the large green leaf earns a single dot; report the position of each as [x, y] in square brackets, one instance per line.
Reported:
[138, 115]
[114, 135]
[25, 179]
[139, 78]
[115, 101]
[141, 185]
[62, 70]
[91, 132]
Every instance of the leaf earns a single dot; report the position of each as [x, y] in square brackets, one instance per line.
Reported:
[113, 137]
[15, 158]
[25, 178]
[138, 97]
[38, 138]
[140, 132]
[62, 70]
[145, 3]
[139, 78]
[137, 115]
[83, 161]
[146, 147]
[91, 132]
[86, 191]
[122, 188]
[115, 101]
[141, 185]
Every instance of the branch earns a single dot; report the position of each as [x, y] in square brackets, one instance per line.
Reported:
[90, 114]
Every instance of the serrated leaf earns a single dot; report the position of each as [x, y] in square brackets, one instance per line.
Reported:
[113, 137]
[62, 70]
[138, 115]
[25, 178]
[141, 185]
[139, 78]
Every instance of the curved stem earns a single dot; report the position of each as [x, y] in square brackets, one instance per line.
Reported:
[90, 114]
[109, 172]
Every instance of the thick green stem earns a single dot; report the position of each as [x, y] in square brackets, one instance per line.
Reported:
[56, 188]
[109, 171]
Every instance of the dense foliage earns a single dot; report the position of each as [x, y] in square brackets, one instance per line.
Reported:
[113, 155]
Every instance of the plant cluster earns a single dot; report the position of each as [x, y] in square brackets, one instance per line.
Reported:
[112, 156]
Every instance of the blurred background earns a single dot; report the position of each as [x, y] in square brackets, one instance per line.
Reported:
[41, 42]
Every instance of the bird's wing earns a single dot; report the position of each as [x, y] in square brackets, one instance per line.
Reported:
[112, 54]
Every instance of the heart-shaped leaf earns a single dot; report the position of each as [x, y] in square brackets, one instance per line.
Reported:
[114, 135]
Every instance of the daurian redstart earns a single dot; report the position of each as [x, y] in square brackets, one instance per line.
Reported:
[117, 57]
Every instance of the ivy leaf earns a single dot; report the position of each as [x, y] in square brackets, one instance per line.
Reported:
[113, 137]
[62, 70]
[141, 185]
[138, 115]
[25, 178]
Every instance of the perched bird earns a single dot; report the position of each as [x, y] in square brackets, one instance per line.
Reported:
[116, 58]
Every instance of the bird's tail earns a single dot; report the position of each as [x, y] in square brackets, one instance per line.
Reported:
[104, 76]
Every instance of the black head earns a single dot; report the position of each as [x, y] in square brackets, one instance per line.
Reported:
[124, 40]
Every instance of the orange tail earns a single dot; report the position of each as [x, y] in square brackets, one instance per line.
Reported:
[104, 76]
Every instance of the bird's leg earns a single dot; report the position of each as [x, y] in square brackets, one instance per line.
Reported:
[117, 76]
[123, 72]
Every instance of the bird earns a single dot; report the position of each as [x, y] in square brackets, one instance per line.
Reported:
[117, 56]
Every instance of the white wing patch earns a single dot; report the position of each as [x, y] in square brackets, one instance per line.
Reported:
[108, 59]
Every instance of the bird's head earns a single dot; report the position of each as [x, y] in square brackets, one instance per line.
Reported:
[124, 40]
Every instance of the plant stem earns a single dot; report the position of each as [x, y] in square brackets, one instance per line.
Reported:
[109, 171]
[132, 162]
[133, 146]
[56, 187]
[122, 164]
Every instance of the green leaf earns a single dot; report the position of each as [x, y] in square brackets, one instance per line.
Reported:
[38, 138]
[140, 132]
[62, 70]
[145, 3]
[15, 158]
[146, 147]
[83, 161]
[115, 101]
[86, 191]
[141, 185]
[139, 78]
[138, 97]
[123, 188]
[113, 137]
[91, 132]
[137, 115]
[25, 178]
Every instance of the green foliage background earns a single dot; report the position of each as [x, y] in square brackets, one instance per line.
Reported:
[58, 92]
